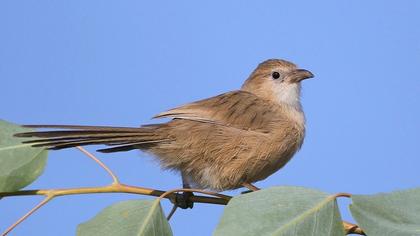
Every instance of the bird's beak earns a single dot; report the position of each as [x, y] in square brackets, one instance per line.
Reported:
[299, 75]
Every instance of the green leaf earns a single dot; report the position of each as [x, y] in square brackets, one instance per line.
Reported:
[20, 164]
[395, 214]
[134, 217]
[282, 211]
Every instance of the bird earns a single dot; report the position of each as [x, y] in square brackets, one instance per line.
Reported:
[224, 142]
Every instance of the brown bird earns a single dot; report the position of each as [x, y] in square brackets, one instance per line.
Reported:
[219, 143]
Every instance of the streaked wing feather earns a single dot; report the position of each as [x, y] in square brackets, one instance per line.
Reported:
[237, 109]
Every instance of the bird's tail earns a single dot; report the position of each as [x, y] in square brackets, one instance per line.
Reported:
[67, 136]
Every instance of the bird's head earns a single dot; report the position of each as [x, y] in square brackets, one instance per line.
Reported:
[278, 81]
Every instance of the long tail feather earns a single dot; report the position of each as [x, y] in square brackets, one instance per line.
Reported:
[125, 138]
[83, 127]
[128, 147]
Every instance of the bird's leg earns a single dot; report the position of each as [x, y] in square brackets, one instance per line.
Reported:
[251, 187]
[183, 201]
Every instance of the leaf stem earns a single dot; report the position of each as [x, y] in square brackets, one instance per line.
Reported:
[100, 163]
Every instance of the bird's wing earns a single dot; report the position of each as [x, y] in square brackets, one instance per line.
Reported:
[239, 109]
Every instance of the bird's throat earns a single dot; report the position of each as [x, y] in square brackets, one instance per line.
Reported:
[289, 95]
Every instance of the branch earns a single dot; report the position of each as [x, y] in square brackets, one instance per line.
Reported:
[171, 195]
[114, 187]
[117, 187]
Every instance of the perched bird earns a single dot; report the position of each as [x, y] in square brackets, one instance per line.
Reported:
[219, 143]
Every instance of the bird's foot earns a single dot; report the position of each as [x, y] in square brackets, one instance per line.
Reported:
[184, 200]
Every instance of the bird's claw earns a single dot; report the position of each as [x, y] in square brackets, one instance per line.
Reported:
[184, 200]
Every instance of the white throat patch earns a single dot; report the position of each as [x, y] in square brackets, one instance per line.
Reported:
[289, 94]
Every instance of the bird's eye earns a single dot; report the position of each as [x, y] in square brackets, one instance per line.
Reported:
[275, 75]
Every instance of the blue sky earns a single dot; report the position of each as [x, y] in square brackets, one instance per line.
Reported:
[121, 62]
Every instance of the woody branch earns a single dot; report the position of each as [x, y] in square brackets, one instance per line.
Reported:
[117, 187]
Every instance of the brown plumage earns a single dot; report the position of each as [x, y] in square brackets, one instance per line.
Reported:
[218, 143]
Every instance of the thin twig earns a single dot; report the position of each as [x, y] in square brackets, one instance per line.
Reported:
[91, 156]
[39, 205]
